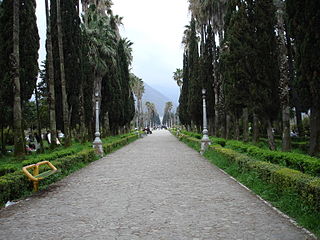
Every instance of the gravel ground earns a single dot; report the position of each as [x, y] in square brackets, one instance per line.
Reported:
[154, 188]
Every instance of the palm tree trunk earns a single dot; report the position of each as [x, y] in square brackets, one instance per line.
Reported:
[63, 80]
[19, 148]
[51, 96]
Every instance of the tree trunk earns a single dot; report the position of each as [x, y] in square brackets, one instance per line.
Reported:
[3, 144]
[286, 140]
[223, 125]
[51, 96]
[82, 117]
[236, 128]
[270, 136]
[38, 119]
[63, 80]
[19, 148]
[284, 83]
[211, 126]
[256, 134]
[315, 131]
[245, 125]
[228, 126]
[299, 123]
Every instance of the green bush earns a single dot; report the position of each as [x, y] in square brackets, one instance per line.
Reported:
[220, 141]
[16, 185]
[301, 162]
[307, 186]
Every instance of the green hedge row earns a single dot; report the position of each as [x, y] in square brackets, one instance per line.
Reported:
[16, 185]
[301, 162]
[12, 167]
[284, 178]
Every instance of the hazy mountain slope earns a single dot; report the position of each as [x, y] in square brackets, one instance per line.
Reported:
[154, 96]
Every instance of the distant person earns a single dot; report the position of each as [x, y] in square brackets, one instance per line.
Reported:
[48, 137]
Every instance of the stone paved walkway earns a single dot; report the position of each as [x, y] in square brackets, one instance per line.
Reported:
[154, 188]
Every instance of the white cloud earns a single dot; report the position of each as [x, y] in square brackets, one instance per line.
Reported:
[156, 29]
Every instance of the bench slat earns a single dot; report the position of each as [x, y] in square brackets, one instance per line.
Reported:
[45, 174]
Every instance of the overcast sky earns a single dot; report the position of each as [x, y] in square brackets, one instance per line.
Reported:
[156, 29]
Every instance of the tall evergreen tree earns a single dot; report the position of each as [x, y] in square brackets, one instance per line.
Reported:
[264, 90]
[26, 66]
[50, 79]
[19, 149]
[234, 62]
[194, 98]
[304, 24]
[184, 115]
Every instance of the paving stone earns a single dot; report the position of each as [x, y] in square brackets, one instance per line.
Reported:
[154, 188]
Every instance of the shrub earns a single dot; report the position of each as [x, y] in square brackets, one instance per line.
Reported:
[15, 185]
[301, 162]
[307, 186]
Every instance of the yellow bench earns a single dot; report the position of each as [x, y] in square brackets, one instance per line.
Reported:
[36, 177]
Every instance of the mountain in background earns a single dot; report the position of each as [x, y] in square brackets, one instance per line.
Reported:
[154, 96]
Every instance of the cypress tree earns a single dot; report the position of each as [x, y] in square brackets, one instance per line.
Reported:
[28, 55]
[183, 99]
[234, 62]
[195, 85]
[71, 42]
[304, 24]
[264, 87]
[207, 76]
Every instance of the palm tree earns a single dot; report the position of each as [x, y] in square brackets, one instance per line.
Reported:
[101, 41]
[137, 87]
[178, 77]
[63, 80]
[19, 149]
[51, 96]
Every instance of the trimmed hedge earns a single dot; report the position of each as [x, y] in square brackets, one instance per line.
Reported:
[301, 162]
[284, 178]
[12, 167]
[16, 185]
[307, 186]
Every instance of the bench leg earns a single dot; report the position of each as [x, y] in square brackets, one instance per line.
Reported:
[36, 186]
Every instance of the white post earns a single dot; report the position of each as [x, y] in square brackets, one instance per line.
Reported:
[205, 141]
[97, 143]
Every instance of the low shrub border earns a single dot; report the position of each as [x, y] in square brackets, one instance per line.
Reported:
[16, 185]
[301, 162]
[307, 186]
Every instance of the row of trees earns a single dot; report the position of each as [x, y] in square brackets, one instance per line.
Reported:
[87, 60]
[258, 61]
